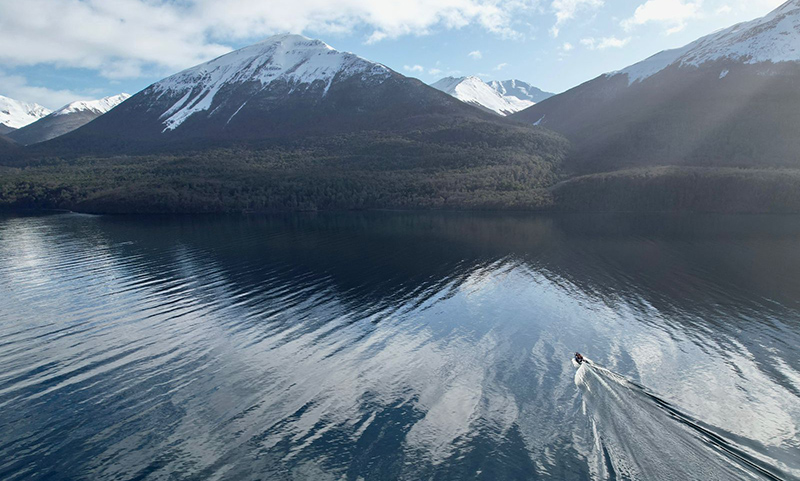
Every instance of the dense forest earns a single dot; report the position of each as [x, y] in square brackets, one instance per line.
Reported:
[517, 169]
[471, 165]
[682, 189]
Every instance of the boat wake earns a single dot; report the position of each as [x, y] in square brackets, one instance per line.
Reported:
[639, 436]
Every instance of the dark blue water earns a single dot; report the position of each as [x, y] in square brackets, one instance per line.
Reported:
[399, 346]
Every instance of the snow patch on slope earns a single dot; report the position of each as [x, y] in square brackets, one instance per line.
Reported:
[16, 114]
[100, 106]
[473, 90]
[772, 38]
[520, 90]
[292, 58]
[652, 65]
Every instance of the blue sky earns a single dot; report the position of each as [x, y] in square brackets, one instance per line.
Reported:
[57, 51]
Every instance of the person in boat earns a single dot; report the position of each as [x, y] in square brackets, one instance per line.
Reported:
[578, 358]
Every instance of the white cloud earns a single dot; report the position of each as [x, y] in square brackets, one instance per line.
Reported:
[671, 13]
[567, 47]
[567, 9]
[476, 54]
[603, 43]
[17, 88]
[723, 10]
[376, 37]
[126, 38]
[414, 68]
[501, 66]
[434, 71]
[115, 37]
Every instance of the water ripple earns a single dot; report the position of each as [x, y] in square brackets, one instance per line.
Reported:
[385, 346]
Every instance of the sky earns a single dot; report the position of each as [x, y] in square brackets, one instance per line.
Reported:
[58, 51]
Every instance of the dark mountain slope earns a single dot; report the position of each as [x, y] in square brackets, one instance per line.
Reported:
[729, 99]
[6, 143]
[10, 151]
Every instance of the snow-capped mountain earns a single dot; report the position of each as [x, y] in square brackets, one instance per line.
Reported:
[770, 39]
[301, 63]
[520, 90]
[474, 91]
[99, 106]
[15, 114]
[66, 119]
[287, 85]
[729, 98]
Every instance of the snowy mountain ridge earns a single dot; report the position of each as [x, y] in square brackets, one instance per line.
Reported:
[17, 114]
[100, 106]
[475, 91]
[773, 38]
[519, 89]
[295, 59]
[66, 119]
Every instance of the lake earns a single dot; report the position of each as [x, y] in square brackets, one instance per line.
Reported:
[384, 345]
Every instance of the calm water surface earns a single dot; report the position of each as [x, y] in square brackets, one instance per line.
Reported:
[399, 346]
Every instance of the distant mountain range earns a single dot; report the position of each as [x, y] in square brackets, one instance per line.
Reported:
[499, 97]
[293, 124]
[289, 123]
[66, 119]
[728, 99]
[15, 114]
[284, 87]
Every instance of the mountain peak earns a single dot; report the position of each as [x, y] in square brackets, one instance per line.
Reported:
[293, 41]
[17, 114]
[99, 106]
[474, 91]
[294, 59]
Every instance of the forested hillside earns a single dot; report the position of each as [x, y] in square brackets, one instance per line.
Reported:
[470, 165]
